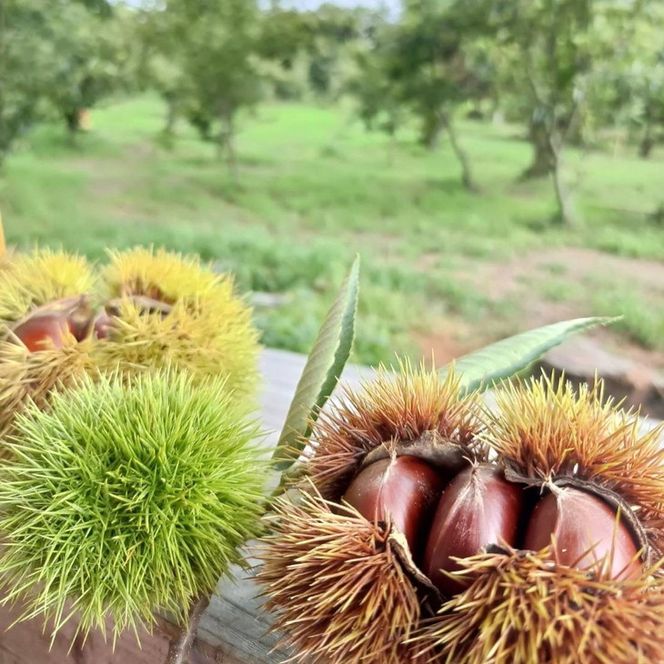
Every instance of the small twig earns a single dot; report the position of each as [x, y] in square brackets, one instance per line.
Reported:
[181, 645]
[289, 477]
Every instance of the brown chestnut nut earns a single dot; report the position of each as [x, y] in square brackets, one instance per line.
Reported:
[40, 330]
[402, 490]
[103, 325]
[80, 321]
[479, 507]
[584, 531]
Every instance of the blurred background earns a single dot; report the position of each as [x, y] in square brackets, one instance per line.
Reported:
[499, 164]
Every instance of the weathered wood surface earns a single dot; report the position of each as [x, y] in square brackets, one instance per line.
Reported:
[232, 631]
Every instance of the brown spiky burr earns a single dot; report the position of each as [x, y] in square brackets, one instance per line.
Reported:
[546, 431]
[344, 585]
[413, 410]
[519, 607]
[601, 479]
[548, 511]
[347, 586]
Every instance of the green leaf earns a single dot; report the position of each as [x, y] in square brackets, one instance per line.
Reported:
[321, 372]
[507, 357]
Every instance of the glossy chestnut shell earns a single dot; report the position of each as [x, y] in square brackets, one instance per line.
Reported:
[402, 490]
[479, 508]
[582, 530]
[445, 521]
[40, 330]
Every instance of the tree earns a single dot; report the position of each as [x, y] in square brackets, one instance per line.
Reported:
[220, 63]
[547, 60]
[425, 64]
[88, 58]
[203, 59]
[333, 31]
[59, 55]
[548, 56]
[161, 30]
[286, 39]
[315, 47]
[284, 34]
[380, 106]
[24, 62]
[628, 87]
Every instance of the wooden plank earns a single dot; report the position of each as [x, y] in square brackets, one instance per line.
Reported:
[233, 630]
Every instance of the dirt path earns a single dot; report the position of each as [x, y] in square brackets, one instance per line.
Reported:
[517, 284]
[497, 280]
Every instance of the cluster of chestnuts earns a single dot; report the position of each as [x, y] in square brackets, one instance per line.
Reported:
[443, 521]
[61, 318]
[431, 529]
[49, 326]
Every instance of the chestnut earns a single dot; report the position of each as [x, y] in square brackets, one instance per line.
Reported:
[402, 490]
[79, 321]
[103, 325]
[584, 532]
[38, 330]
[478, 508]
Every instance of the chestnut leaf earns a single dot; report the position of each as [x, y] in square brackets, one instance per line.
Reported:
[321, 372]
[502, 359]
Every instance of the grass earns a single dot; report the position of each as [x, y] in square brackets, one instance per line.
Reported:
[313, 189]
[642, 318]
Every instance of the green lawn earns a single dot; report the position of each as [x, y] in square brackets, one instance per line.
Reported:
[441, 268]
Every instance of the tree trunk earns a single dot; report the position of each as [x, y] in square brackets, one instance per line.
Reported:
[204, 128]
[462, 157]
[576, 136]
[72, 120]
[432, 127]
[647, 141]
[391, 147]
[658, 215]
[567, 213]
[171, 118]
[543, 158]
[226, 145]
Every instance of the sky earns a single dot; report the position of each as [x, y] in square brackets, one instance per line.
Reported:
[392, 5]
[312, 4]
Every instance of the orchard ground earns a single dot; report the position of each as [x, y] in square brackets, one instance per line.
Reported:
[443, 269]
